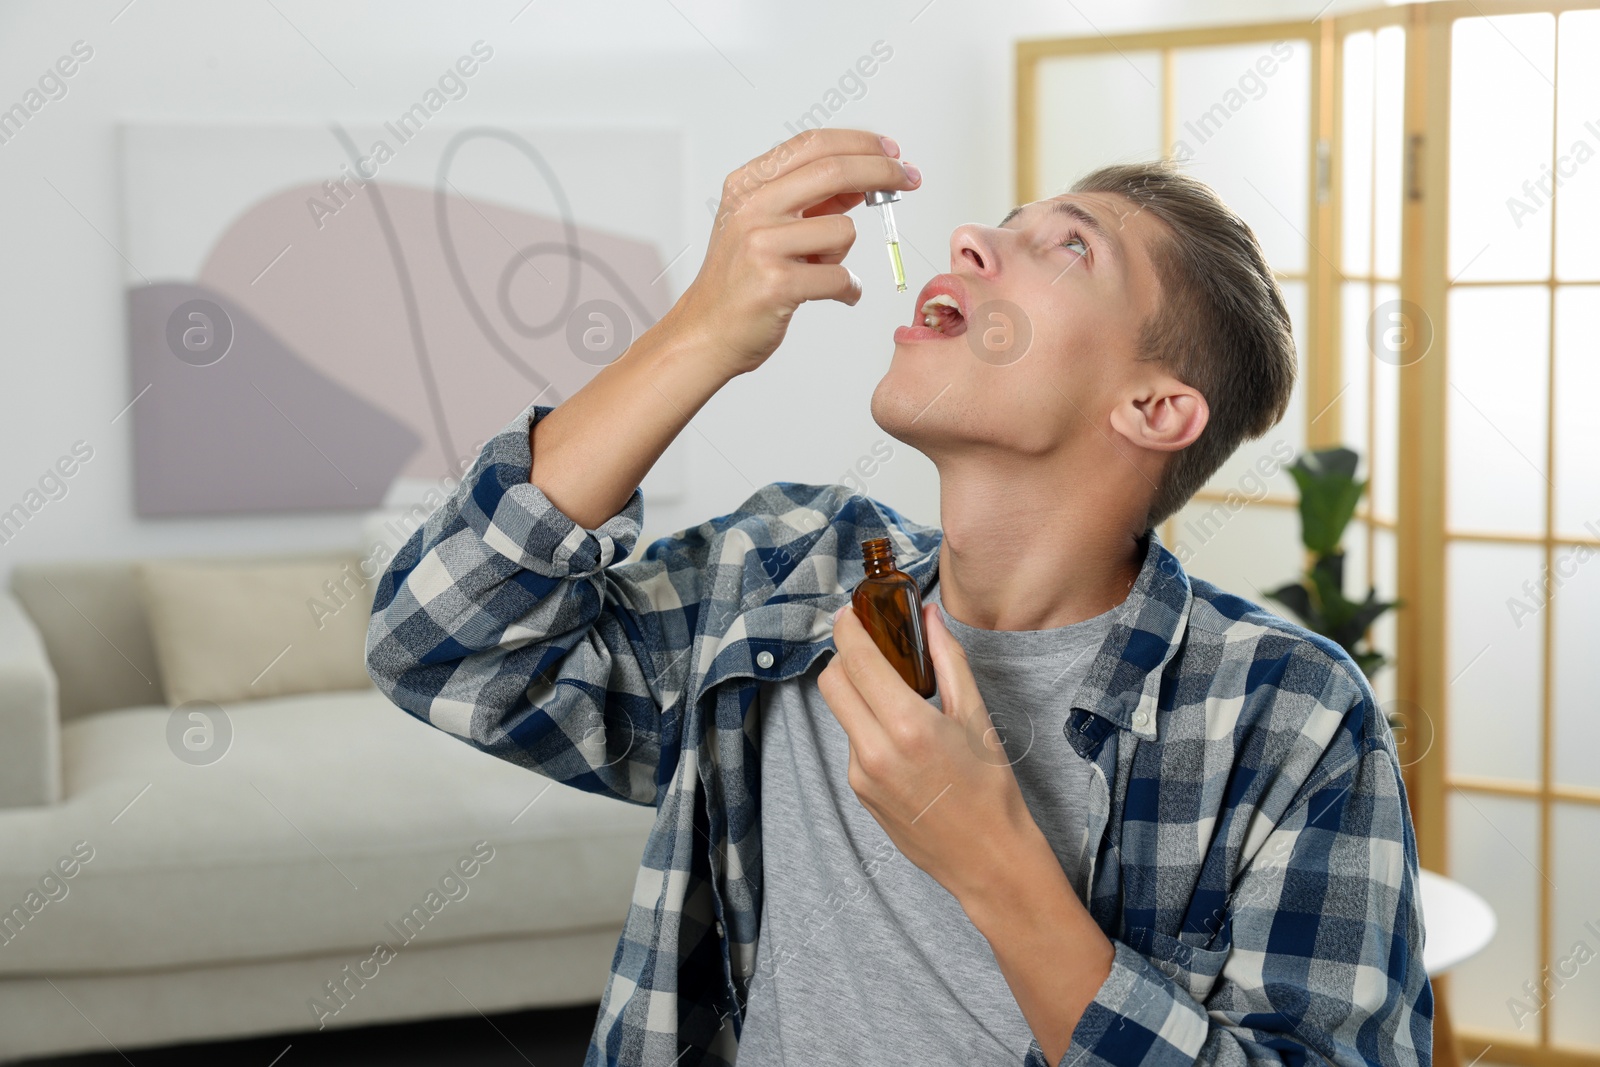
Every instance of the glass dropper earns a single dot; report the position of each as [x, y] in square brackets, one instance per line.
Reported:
[881, 199]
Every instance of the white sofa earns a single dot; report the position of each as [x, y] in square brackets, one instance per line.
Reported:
[220, 900]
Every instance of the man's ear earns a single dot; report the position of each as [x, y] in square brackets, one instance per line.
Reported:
[1164, 415]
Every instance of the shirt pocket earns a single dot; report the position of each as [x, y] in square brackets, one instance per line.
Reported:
[1193, 968]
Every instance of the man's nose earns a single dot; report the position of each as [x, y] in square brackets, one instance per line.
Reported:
[977, 248]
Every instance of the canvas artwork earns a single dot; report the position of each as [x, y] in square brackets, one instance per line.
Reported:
[330, 317]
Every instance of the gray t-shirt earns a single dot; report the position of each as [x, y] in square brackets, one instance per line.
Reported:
[863, 957]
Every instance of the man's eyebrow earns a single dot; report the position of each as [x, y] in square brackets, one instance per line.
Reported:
[1076, 211]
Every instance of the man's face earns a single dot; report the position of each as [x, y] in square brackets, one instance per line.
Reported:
[1052, 302]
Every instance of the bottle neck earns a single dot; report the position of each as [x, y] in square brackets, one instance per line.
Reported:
[877, 556]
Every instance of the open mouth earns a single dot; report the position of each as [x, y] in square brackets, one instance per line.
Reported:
[942, 313]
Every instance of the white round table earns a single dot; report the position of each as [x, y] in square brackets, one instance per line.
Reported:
[1458, 922]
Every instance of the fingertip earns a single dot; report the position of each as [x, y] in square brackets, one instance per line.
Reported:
[945, 639]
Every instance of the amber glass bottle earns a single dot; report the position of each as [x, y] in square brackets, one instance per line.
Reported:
[889, 605]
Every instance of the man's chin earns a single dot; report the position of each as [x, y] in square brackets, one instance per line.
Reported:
[901, 406]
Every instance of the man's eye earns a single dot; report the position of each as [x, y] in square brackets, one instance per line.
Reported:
[1074, 239]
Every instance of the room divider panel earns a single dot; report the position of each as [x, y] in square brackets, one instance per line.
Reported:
[1423, 181]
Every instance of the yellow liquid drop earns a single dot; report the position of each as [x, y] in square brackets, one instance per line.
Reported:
[899, 267]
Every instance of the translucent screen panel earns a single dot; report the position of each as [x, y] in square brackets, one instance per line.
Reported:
[1077, 132]
[1357, 567]
[1577, 511]
[1243, 547]
[1578, 147]
[1384, 468]
[1373, 152]
[1501, 121]
[1385, 575]
[1499, 361]
[1355, 367]
[1389, 149]
[1356, 176]
[1575, 574]
[1494, 682]
[1575, 918]
[1367, 567]
[1243, 124]
[1385, 569]
[1493, 845]
[1268, 456]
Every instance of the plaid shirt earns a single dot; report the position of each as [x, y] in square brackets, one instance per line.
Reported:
[1256, 868]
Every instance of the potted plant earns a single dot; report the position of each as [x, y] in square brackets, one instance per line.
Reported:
[1329, 493]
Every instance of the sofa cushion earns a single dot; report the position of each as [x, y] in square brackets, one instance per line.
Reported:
[327, 820]
[93, 623]
[92, 617]
[229, 631]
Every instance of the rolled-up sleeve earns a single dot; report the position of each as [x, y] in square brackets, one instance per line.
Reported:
[1320, 957]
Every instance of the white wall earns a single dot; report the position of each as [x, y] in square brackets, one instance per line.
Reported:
[729, 75]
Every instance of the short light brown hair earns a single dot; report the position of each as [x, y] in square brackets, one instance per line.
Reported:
[1221, 325]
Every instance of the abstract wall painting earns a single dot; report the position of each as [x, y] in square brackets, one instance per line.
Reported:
[334, 317]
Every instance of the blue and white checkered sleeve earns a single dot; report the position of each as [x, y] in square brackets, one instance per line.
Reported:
[506, 623]
[1324, 962]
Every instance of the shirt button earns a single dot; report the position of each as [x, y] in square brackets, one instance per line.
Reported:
[764, 660]
[1142, 719]
[719, 927]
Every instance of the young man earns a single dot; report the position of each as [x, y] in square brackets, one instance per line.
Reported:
[1144, 820]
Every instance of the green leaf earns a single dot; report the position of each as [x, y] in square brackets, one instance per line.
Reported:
[1295, 597]
[1361, 617]
[1339, 462]
[1326, 505]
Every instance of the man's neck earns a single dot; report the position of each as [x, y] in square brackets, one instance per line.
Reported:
[1021, 551]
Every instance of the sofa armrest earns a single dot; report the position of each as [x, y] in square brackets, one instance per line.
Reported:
[30, 726]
